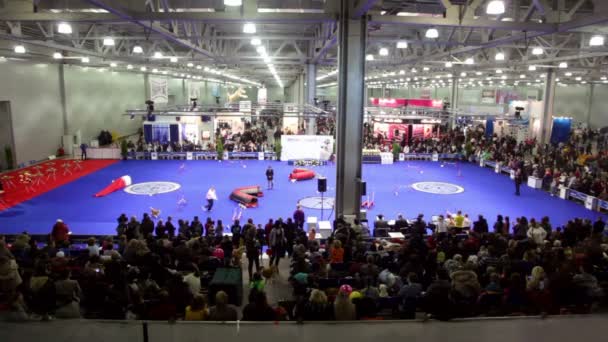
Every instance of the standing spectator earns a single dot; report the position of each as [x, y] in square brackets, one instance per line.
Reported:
[277, 243]
[270, 177]
[481, 225]
[252, 250]
[299, 216]
[60, 233]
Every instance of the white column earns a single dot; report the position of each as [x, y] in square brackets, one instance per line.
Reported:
[546, 122]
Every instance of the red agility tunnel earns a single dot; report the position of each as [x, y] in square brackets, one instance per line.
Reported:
[117, 184]
[247, 195]
[301, 174]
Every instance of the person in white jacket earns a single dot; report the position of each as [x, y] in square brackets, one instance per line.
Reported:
[211, 197]
[537, 233]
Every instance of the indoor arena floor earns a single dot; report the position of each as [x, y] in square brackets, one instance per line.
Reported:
[390, 186]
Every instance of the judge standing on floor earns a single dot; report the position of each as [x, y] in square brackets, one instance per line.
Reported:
[211, 197]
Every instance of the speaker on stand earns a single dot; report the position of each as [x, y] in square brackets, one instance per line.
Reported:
[322, 188]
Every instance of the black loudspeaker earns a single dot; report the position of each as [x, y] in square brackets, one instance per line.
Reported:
[321, 184]
[363, 188]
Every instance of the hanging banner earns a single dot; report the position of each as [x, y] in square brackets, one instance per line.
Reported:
[159, 90]
[296, 147]
[488, 96]
[245, 107]
[425, 93]
[262, 95]
[194, 90]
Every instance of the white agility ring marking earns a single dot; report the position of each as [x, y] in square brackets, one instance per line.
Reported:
[438, 188]
[316, 202]
[152, 188]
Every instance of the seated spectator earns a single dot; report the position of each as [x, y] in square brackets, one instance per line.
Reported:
[222, 311]
[258, 308]
[317, 308]
[197, 310]
[92, 246]
[344, 309]
[68, 295]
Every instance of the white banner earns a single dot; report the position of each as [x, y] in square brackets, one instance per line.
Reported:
[245, 107]
[296, 147]
[159, 90]
[262, 95]
[194, 90]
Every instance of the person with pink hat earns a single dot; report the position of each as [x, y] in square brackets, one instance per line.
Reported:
[344, 309]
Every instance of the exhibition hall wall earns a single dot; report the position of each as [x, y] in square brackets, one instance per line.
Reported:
[94, 101]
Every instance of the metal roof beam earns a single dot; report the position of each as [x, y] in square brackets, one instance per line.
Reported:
[464, 23]
[362, 7]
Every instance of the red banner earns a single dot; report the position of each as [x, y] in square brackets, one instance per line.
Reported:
[394, 103]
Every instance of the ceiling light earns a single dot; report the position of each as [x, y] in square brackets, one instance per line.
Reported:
[401, 72]
[107, 41]
[113, 65]
[499, 56]
[426, 69]
[173, 59]
[129, 67]
[604, 78]
[164, 72]
[85, 60]
[522, 76]
[267, 59]
[402, 45]
[198, 67]
[568, 74]
[158, 54]
[495, 7]
[233, 2]
[206, 68]
[532, 68]
[154, 70]
[432, 33]
[261, 50]
[578, 78]
[369, 57]
[469, 61]
[563, 65]
[383, 52]
[143, 69]
[504, 77]
[596, 41]
[414, 70]
[463, 74]
[190, 65]
[448, 64]
[137, 49]
[537, 51]
[64, 28]
[19, 49]
[256, 41]
[478, 73]
[57, 55]
[249, 28]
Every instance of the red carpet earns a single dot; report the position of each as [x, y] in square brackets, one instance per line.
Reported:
[24, 184]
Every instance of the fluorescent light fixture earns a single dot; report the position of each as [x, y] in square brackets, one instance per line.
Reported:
[369, 57]
[19, 49]
[256, 41]
[233, 2]
[249, 28]
[563, 65]
[432, 33]
[85, 60]
[495, 7]
[173, 59]
[108, 41]
[158, 54]
[129, 67]
[138, 49]
[499, 56]
[64, 28]
[537, 51]
[596, 41]
[113, 65]
[383, 52]
[469, 61]
[448, 64]
[532, 68]
[143, 68]
[402, 45]
[57, 55]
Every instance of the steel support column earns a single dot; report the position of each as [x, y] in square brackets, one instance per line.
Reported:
[64, 108]
[590, 104]
[546, 122]
[311, 93]
[454, 101]
[349, 125]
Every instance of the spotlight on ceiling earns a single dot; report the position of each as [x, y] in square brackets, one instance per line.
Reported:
[369, 57]
[256, 41]
[537, 51]
[249, 28]
[85, 60]
[158, 54]
[596, 41]
[402, 45]
[448, 64]
[563, 65]
[19, 49]
[138, 49]
[499, 56]
[108, 41]
[432, 33]
[64, 28]
[495, 7]
[383, 52]
[57, 55]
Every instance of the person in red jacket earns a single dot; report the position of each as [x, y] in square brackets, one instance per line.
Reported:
[60, 233]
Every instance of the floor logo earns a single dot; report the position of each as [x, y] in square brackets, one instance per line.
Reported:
[316, 202]
[152, 188]
[438, 188]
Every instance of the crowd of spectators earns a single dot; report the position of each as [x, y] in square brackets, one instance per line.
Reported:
[158, 270]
